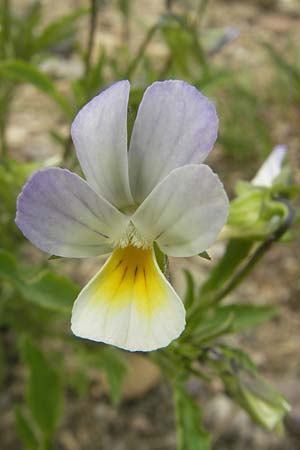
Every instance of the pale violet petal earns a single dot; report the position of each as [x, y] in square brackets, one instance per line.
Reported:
[185, 212]
[99, 133]
[60, 214]
[271, 168]
[175, 125]
[129, 304]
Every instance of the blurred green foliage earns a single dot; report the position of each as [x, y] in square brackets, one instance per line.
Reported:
[36, 299]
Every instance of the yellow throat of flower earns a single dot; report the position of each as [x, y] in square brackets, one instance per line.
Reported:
[131, 275]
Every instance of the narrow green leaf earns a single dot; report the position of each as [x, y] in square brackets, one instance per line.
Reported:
[3, 362]
[59, 30]
[44, 390]
[48, 290]
[23, 71]
[283, 64]
[190, 431]
[189, 297]
[8, 267]
[115, 367]
[210, 328]
[25, 431]
[228, 319]
[245, 315]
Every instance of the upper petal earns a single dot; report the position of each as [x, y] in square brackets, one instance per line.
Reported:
[175, 125]
[271, 168]
[185, 212]
[60, 214]
[99, 133]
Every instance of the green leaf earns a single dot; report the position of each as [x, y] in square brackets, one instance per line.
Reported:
[59, 30]
[244, 315]
[244, 385]
[44, 390]
[8, 268]
[190, 431]
[208, 328]
[237, 250]
[48, 289]
[115, 367]
[187, 56]
[189, 297]
[25, 431]
[290, 69]
[226, 320]
[3, 361]
[26, 72]
[161, 258]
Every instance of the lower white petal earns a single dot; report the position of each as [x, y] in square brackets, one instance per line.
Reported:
[129, 304]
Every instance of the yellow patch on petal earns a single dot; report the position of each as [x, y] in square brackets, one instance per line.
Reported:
[130, 275]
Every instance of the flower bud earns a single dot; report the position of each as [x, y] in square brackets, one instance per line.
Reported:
[260, 399]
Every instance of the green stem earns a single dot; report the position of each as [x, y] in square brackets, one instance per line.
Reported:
[201, 7]
[67, 150]
[90, 45]
[91, 38]
[125, 9]
[133, 65]
[5, 25]
[242, 273]
[47, 443]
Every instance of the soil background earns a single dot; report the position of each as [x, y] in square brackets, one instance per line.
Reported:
[145, 419]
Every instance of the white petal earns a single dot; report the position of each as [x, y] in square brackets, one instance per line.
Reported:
[99, 133]
[175, 125]
[185, 212]
[60, 214]
[271, 168]
[129, 304]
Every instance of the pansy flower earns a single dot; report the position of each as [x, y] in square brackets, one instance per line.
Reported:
[157, 191]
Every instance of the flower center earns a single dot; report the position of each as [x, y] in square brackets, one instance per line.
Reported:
[132, 237]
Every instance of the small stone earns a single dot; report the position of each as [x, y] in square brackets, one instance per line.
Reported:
[142, 424]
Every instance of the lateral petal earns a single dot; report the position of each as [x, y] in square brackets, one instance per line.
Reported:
[129, 304]
[175, 125]
[60, 214]
[185, 212]
[99, 133]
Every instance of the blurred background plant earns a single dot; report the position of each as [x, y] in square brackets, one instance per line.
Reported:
[38, 356]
